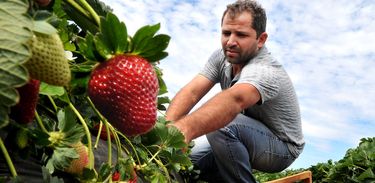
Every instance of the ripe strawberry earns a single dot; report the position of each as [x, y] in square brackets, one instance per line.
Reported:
[133, 178]
[116, 176]
[124, 89]
[103, 133]
[77, 165]
[43, 3]
[48, 62]
[24, 111]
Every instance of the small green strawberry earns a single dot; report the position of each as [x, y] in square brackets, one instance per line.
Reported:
[124, 86]
[24, 111]
[77, 165]
[22, 138]
[48, 62]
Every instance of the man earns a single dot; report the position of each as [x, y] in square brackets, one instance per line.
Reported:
[254, 123]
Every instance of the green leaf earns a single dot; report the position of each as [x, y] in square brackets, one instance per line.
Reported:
[51, 90]
[143, 35]
[61, 158]
[162, 85]
[104, 171]
[176, 138]
[47, 177]
[88, 49]
[368, 174]
[149, 45]
[154, 45]
[113, 37]
[67, 123]
[157, 57]
[44, 27]
[15, 28]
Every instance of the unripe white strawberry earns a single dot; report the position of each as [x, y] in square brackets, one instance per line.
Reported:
[48, 62]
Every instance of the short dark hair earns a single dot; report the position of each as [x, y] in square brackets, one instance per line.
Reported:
[255, 9]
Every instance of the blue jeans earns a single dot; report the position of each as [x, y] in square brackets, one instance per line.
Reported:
[230, 153]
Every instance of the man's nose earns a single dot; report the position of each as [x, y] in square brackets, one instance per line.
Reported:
[231, 41]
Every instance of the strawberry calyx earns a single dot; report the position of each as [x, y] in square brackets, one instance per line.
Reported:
[113, 39]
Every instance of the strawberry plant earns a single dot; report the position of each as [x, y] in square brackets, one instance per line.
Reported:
[69, 75]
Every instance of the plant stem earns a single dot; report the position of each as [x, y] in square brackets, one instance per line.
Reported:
[98, 135]
[154, 156]
[132, 146]
[107, 128]
[92, 12]
[52, 102]
[40, 122]
[164, 169]
[117, 140]
[78, 8]
[7, 158]
[109, 143]
[88, 134]
[158, 161]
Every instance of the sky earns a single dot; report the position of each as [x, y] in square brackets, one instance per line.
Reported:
[327, 48]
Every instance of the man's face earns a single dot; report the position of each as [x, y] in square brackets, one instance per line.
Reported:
[239, 39]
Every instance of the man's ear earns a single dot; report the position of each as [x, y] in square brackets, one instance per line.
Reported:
[262, 39]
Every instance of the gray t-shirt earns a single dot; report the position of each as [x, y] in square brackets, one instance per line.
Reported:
[278, 108]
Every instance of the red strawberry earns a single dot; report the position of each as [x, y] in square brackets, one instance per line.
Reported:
[134, 178]
[43, 3]
[103, 133]
[116, 176]
[124, 89]
[77, 165]
[24, 111]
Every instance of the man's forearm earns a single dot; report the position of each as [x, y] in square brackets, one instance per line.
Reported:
[218, 111]
[187, 97]
[214, 114]
[180, 105]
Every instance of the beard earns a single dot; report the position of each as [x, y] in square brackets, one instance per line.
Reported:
[238, 56]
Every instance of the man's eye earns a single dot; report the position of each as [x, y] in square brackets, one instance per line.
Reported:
[241, 35]
[226, 33]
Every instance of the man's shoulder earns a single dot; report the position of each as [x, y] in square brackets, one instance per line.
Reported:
[218, 56]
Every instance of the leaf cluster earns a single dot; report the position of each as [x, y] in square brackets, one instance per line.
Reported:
[64, 116]
[358, 165]
[15, 31]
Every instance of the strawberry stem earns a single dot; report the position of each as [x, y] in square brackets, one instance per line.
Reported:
[107, 128]
[79, 8]
[132, 146]
[92, 12]
[154, 156]
[98, 135]
[108, 142]
[164, 169]
[117, 140]
[52, 102]
[7, 159]
[40, 123]
[158, 161]
[88, 134]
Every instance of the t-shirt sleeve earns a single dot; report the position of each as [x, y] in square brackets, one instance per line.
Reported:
[211, 70]
[263, 78]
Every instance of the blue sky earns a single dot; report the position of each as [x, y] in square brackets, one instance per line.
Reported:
[327, 47]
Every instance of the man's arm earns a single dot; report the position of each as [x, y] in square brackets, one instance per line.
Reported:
[187, 97]
[218, 111]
